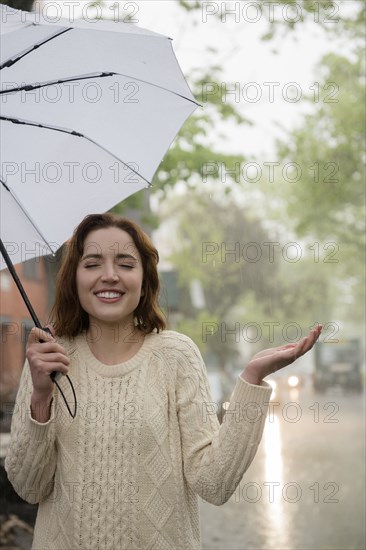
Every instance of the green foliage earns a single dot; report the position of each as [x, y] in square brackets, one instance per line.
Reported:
[194, 327]
[329, 198]
[305, 291]
[327, 203]
[334, 16]
[216, 247]
[326, 13]
[190, 5]
[189, 155]
[227, 250]
[221, 246]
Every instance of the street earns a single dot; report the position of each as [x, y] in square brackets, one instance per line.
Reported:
[306, 486]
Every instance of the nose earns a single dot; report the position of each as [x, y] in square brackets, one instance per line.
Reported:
[109, 273]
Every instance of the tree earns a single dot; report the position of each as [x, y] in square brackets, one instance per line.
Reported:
[222, 246]
[247, 272]
[329, 148]
[328, 201]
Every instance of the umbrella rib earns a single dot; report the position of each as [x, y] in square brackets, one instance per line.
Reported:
[161, 88]
[12, 61]
[30, 87]
[26, 214]
[77, 134]
[149, 184]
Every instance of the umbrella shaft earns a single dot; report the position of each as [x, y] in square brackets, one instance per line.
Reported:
[19, 284]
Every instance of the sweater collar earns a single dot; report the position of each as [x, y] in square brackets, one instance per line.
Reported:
[120, 369]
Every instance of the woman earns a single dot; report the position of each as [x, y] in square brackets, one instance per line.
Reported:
[127, 471]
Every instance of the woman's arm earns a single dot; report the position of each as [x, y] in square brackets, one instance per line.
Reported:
[31, 458]
[216, 457]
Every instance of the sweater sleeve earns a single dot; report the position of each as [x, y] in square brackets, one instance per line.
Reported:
[31, 457]
[217, 456]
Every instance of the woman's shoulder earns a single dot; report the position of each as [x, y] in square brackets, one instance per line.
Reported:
[171, 337]
[175, 342]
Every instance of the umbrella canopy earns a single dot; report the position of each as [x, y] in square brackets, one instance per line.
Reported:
[87, 112]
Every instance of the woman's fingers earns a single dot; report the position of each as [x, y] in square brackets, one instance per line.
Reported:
[312, 337]
[48, 349]
[306, 343]
[291, 352]
[45, 355]
[39, 359]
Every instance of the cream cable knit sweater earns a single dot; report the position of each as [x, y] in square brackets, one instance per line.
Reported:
[126, 473]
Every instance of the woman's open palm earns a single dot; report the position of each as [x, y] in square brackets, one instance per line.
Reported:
[271, 360]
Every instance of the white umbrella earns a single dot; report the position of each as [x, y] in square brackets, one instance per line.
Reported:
[87, 112]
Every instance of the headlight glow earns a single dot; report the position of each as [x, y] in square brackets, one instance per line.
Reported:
[293, 381]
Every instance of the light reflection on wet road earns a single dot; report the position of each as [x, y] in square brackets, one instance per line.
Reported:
[273, 470]
[306, 486]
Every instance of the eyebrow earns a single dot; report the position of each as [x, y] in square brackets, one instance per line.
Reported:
[118, 257]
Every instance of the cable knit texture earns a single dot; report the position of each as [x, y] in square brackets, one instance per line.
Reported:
[145, 445]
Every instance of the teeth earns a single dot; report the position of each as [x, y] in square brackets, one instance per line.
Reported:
[109, 294]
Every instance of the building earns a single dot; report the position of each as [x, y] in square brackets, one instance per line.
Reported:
[15, 319]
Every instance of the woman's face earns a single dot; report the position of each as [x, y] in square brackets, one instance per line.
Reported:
[109, 276]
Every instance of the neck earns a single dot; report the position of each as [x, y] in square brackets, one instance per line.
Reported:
[113, 343]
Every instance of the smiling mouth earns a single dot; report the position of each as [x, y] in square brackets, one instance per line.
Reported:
[109, 295]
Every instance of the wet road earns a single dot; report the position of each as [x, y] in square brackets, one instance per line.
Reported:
[306, 486]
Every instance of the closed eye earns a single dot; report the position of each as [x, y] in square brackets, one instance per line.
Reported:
[128, 266]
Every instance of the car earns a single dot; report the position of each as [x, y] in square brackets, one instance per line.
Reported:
[338, 364]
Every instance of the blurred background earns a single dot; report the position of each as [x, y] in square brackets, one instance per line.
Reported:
[258, 214]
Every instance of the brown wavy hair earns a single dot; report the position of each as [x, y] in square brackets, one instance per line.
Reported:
[67, 316]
